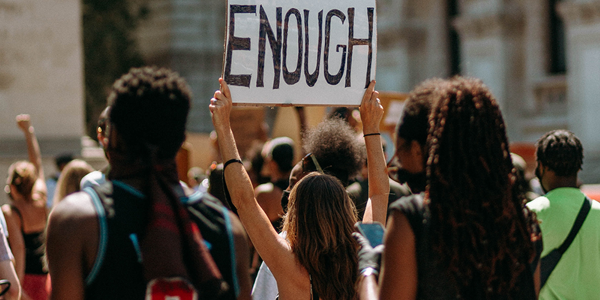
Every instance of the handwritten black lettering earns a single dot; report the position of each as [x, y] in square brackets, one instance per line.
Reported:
[333, 79]
[293, 77]
[359, 42]
[311, 79]
[237, 43]
[275, 43]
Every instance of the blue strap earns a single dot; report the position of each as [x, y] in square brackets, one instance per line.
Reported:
[103, 235]
[236, 285]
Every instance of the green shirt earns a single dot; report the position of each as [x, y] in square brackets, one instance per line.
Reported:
[577, 275]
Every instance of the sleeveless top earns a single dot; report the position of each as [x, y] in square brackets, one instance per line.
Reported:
[117, 271]
[34, 248]
[433, 282]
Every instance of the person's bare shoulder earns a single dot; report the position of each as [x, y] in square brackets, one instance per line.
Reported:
[71, 245]
[73, 223]
[75, 208]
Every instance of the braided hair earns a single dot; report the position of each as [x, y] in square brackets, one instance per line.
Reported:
[480, 228]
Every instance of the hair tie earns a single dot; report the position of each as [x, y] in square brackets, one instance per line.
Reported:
[374, 133]
[233, 160]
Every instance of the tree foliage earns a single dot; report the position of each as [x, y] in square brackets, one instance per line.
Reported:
[110, 49]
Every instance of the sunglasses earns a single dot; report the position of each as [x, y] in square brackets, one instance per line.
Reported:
[310, 165]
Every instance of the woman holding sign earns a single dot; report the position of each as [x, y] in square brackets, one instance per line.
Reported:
[318, 259]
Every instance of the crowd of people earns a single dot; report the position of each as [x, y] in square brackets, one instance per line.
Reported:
[460, 219]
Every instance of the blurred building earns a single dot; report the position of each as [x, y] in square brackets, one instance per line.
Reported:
[540, 58]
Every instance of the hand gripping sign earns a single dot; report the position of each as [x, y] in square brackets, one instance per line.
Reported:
[300, 52]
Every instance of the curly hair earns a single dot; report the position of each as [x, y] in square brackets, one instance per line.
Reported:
[482, 231]
[149, 106]
[338, 151]
[319, 226]
[414, 122]
[561, 151]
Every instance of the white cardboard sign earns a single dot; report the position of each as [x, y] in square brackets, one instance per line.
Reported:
[300, 52]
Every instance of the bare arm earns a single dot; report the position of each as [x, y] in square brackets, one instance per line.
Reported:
[368, 288]
[33, 148]
[272, 248]
[371, 113]
[303, 125]
[398, 278]
[15, 239]
[70, 249]
[7, 271]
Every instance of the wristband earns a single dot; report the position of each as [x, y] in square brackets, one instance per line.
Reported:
[374, 133]
[233, 160]
[368, 271]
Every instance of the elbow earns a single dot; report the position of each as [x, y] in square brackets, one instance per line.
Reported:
[242, 199]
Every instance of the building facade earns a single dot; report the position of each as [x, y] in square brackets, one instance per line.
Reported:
[540, 58]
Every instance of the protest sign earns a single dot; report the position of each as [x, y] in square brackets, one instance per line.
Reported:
[292, 52]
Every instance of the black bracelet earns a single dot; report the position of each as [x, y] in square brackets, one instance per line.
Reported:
[374, 133]
[233, 160]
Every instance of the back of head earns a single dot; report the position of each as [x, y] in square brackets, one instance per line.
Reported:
[62, 160]
[281, 151]
[414, 122]
[319, 226]
[334, 144]
[481, 233]
[149, 109]
[70, 178]
[561, 151]
[22, 175]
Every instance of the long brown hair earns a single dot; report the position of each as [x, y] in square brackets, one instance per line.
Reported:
[69, 179]
[480, 229]
[319, 226]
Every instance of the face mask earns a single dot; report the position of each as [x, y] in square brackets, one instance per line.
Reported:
[284, 200]
[416, 181]
[539, 175]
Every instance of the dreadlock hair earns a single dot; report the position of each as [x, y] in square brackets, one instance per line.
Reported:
[414, 122]
[561, 151]
[150, 108]
[338, 151]
[319, 226]
[481, 233]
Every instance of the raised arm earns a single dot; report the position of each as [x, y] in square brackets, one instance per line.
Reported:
[33, 148]
[371, 113]
[274, 250]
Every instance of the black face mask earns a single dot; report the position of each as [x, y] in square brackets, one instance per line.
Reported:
[284, 200]
[539, 176]
[416, 181]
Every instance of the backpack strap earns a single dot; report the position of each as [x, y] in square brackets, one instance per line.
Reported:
[549, 262]
[103, 230]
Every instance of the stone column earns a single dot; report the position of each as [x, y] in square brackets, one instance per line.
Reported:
[582, 21]
[491, 34]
